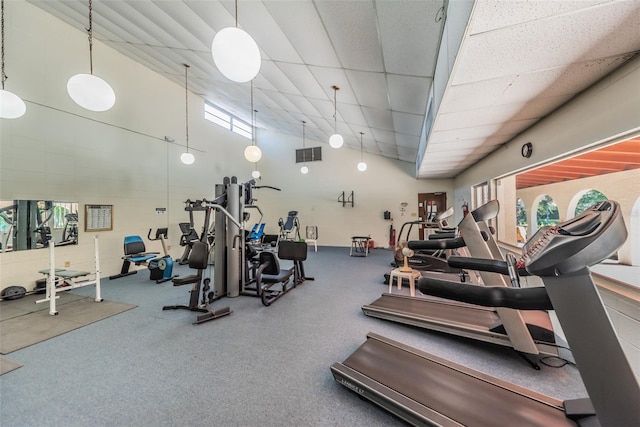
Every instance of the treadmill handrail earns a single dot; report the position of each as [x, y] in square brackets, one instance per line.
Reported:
[486, 212]
[535, 298]
[483, 264]
[455, 243]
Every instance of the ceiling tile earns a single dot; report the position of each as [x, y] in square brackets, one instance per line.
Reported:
[404, 140]
[370, 88]
[408, 123]
[352, 28]
[256, 20]
[303, 79]
[310, 40]
[408, 94]
[492, 15]
[378, 119]
[416, 21]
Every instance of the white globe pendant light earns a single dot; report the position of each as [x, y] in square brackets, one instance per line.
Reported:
[253, 153]
[304, 169]
[336, 140]
[187, 158]
[362, 166]
[11, 105]
[89, 91]
[255, 174]
[236, 54]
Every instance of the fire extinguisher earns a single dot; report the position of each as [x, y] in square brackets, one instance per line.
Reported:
[465, 209]
[392, 236]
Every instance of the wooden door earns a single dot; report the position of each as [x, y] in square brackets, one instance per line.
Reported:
[430, 204]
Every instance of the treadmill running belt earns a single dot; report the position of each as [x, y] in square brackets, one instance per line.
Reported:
[435, 309]
[463, 395]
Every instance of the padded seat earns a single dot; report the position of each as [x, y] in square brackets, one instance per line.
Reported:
[134, 252]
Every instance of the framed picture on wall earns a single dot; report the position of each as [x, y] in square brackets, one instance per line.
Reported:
[98, 217]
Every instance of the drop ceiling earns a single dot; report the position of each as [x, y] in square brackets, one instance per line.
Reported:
[517, 62]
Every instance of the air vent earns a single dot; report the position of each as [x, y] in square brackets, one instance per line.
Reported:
[313, 154]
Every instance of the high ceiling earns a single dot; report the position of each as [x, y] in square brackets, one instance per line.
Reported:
[517, 62]
[614, 158]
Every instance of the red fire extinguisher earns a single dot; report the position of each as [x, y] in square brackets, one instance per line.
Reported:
[392, 236]
[465, 209]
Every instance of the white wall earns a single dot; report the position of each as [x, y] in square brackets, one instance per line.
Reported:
[383, 186]
[59, 151]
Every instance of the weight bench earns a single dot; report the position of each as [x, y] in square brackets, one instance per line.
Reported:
[134, 252]
[359, 246]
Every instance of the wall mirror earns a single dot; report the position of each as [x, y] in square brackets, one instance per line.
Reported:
[33, 224]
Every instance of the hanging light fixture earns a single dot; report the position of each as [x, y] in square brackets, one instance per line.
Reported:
[11, 105]
[87, 90]
[256, 173]
[362, 166]
[236, 54]
[187, 158]
[252, 153]
[336, 140]
[304, 169]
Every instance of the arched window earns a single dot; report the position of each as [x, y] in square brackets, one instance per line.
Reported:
[588, 199]
[521, 221]
[547, 212]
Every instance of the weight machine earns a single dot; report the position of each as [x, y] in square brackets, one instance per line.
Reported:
[236, 264]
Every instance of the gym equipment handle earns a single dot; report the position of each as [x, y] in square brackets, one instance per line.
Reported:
[483, 264]
[458, 242]
[487, 296]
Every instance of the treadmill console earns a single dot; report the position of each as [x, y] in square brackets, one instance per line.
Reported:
[580, 242]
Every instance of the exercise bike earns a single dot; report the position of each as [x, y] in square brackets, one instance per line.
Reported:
[161, 269]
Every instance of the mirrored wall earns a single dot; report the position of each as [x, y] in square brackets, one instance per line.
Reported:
[33, 224]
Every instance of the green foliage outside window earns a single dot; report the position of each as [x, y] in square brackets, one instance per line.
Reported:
[547, 212]
[521, 213]
[588, 199]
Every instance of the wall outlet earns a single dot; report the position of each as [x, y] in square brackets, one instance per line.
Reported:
[67, 264]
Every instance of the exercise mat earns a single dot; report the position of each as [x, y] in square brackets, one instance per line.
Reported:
[21, 328]
[7, 365]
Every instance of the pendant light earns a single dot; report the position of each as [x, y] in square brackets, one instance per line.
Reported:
[362, 166]
[187, 158]
[252, 153]
[87, 90]
[336, 140]
[304, 169]
[11, 105]
[256, 173]
[236, 54]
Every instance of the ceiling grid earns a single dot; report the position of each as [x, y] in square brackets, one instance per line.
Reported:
[518, 62]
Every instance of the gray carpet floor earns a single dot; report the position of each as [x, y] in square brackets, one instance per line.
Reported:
[259, 366]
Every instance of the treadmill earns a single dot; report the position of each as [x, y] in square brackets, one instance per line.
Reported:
[426, 390]
[530, 333]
